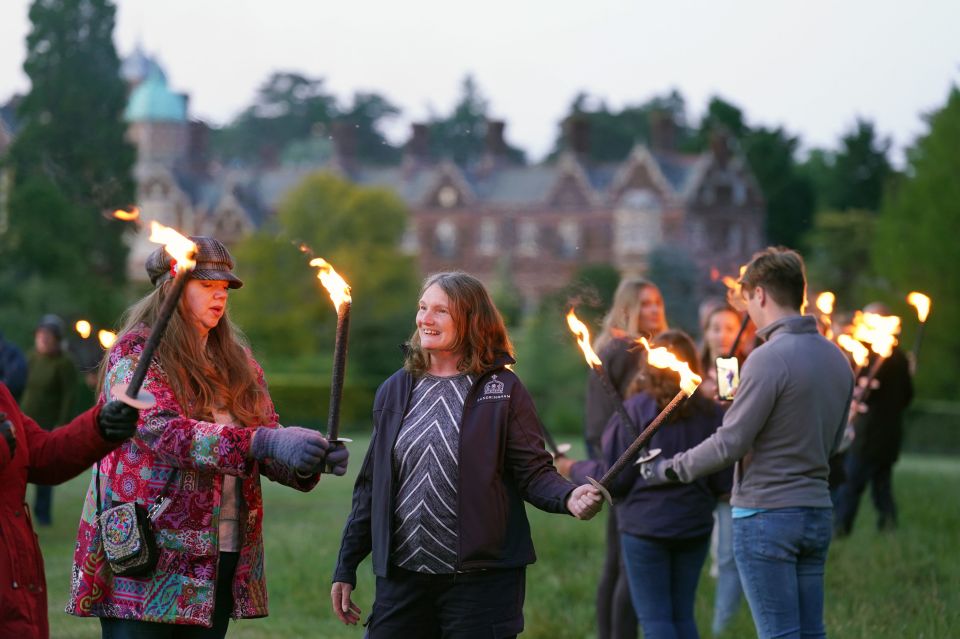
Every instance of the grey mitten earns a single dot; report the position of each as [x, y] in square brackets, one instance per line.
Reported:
[298, 448]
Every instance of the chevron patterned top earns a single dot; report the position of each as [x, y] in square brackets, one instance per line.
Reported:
[425, 460]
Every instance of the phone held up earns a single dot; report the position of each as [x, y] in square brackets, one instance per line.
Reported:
[728, 377]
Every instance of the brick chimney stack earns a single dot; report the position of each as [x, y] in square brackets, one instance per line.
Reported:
[663, 131]
[576, 133]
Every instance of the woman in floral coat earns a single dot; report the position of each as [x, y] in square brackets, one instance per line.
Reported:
[200, 450]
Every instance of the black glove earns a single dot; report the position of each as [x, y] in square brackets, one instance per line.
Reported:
[8, 433]
[117, 421]
[336, 460]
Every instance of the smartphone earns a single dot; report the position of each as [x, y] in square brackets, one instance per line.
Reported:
[728, 377]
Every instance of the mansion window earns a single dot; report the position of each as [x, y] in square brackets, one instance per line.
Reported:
[528, 239]
[445, 239]
[410, 243]
[569, 232]
[487, 239]
[638, 223]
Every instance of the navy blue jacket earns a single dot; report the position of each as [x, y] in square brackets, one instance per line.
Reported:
[675, 510]
[502, 463]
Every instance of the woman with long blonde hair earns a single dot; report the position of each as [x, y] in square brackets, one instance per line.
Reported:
[196, 459]
[637, 311]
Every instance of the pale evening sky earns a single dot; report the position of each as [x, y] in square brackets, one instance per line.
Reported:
[810, 66]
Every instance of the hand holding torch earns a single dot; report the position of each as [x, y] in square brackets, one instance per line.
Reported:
[658, 357]
[183, 251]
[339, 292]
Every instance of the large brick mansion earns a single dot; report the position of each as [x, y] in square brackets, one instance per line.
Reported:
[543, 220]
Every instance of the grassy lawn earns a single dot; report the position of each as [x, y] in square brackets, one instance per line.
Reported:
[905, 584]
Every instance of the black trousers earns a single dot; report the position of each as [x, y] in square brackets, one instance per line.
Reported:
[860, 472]
[223, 606]
[470, 605]
[615, 616]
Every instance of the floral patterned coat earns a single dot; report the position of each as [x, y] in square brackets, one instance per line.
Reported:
[198, 454]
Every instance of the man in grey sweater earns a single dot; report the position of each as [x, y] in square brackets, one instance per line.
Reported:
[787, 418]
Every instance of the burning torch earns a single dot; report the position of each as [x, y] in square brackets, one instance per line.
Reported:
[658, 357]
[339, 292]
[735, 298]
[922, 303]
[582, 333]
[183, 251]
[880, 332]
[825, 302]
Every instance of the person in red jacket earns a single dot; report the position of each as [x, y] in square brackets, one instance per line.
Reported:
[29, 453]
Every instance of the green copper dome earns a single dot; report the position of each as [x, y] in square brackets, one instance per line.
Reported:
[153, 101]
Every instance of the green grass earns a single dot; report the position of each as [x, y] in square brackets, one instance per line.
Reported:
[905, 584]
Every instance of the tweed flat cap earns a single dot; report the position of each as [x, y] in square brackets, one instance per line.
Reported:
[213, 263]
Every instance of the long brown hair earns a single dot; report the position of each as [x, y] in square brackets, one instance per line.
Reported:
[481, 332]
[625, 302]
[664, 384]
[218, 375]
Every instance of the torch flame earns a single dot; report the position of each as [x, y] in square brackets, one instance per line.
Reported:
[859, 352]
[337, 287]
[181, 248]
[879, 331]
[127, 215]
[83, 327]
[107, 338]
[734, 284]
[922, 303]
[825, 302]
[662, 358]
[582, 333]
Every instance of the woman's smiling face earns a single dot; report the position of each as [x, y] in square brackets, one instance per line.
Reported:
[438, 331]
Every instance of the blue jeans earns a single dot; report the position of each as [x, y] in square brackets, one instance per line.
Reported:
[663, 575]
[728, 577]
[781, 555]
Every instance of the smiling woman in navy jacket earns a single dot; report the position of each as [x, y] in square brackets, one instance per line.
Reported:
[457, 447]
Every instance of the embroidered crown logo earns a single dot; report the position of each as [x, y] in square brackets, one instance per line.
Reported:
[493, 387]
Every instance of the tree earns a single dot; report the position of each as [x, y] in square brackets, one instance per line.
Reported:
[70, 162]
[461, 135]
[288, 107]
[614, 133]
[358, 230]
[916, 246]
[366, 114]
[838, 254]
[855, 176]
[771, 154]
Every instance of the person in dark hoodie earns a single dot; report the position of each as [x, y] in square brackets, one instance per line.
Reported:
[456, 449]
[664, 529]
[30, 453]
